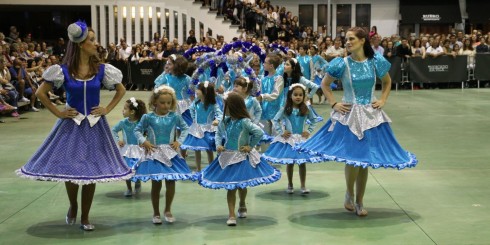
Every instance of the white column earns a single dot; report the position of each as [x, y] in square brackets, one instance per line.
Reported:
[103, 26]
[120, 32]
[352, 16]
[146, 24]
[189, 26]
[315, 17]
[163, 20]
[94, 16]
[197, 30]
[137, 28]
[334, 20]
[153, 20]
[112, 26]
[171, 29]
[129, 36]
[180, 26]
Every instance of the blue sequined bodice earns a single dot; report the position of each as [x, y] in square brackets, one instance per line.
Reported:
[233, 131]
[304, 62]
[160, 129]
[179, 84]
[128, 132]
[296, 121]
[203, 115]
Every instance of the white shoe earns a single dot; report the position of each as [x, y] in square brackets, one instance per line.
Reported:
[169, 218]
[360, 211]
[156, 220]
[349, 202]
[34, 109]
[128, 193]
[305, 191]
[231, 221]
[290, 190]
[24, 99]
[242, 212]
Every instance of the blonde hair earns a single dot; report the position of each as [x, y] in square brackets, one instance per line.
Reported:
[163, 89]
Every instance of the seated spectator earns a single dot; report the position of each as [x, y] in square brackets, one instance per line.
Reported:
[8, 92]
[336, 50]
[23, 83]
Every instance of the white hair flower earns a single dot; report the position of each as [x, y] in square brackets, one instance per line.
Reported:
[297, 85]
[134, 102]
[206, 84]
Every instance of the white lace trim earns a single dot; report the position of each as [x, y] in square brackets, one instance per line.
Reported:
[198, 130]
[163, 154]
[292, 140]
[359, 119]
[228, 158]
[183, 105]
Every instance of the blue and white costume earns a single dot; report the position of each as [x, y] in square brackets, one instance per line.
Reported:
[233, 169]
[164, 163]
[304, 63]
[131, 151]
[202, 133]
[79, 150]
[272, 95]
[364, 130]
[281, 149]
[181, 86]
[318, 65]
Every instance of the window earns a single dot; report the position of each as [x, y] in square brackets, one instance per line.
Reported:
[344, 12]
[363, 16]
[305, 15]
[323, 16]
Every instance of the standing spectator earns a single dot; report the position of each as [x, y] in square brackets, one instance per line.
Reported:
[435, 50]
[482, 47]
[470, 52]
[404, 50]
[14, 34]
[377, 49]
[418, 50]
[191, 39]
[60, 48]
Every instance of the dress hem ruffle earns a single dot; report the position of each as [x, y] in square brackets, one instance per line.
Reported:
[239, 185]
[80, 180]
[286, 161]
[412, 162]
[169, 176]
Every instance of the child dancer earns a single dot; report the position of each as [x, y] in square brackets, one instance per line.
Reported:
[239, 165]
[130, 150]
[318, 66]
[179, 81]
[243, 87]
[304, 60]
[293, 116]
[272, 96]
[163, 161]
[205, 114]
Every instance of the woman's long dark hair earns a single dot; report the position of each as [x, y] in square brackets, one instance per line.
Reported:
[72, 59]
[208, 94]
[360, 33]
[303, 109]
[295, 73]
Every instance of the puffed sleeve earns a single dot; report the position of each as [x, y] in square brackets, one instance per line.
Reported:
[54, 75]
[254, 130]
[116, 129]
[140, 129]
[336, 68]
[112, 76]
[381, 65]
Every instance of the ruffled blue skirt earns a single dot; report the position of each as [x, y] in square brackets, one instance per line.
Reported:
[283, 153]
[155, 170]
[239, 175]
[77, 153]
[378, 148]
[206, 143]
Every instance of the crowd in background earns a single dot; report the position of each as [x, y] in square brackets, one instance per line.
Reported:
[24, 58]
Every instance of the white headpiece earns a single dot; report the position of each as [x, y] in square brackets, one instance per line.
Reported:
[206, 84]
[294, 85]
[247, 80]
[295, 60]
[173, 57]
[134, 102]
[162, 87]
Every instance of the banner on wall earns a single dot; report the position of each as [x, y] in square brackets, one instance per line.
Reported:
[442, 69]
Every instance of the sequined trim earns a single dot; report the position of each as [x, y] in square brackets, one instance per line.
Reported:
[198, 130]
[292, 140]
[228, 158]
[163, 154]
[359, 119]
[132, 151]
[183, 105]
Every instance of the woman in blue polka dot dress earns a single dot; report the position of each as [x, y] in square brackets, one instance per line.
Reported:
[80, 149]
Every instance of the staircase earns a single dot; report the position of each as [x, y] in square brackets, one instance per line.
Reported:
[217, 24]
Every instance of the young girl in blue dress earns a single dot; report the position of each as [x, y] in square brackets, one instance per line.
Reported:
[177, 79]
[80, 149]
[358, 132]
[128, 146]
[238, 164]
[205, 114]
[162, 160]
[318, 65]
[293, 116]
